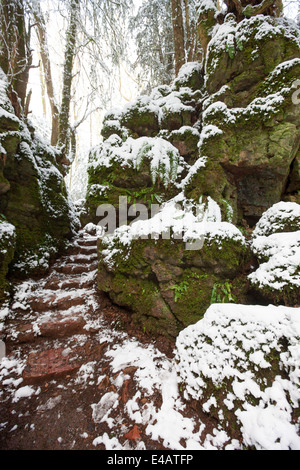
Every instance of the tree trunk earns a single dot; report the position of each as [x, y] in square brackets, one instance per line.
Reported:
[15, 53]
[178, 32]
[44, 52]
[188, 36]
[64, 115]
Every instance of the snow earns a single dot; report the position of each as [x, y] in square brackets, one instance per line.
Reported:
[276, 242]
[229, 36]
[275, 218]
[187, 70]
[6, 229]
[282, 252]
[215, 353]
[163, 157]
[179, 218]
[6, 108]
[241, 341]
[24, 392]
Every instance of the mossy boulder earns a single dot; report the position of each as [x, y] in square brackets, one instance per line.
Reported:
[38, 206]
[33, 195]
[186, 140]
[239, 365]
[141, 118]
[7, 250]
[256, 146]
[276, 244]
[190, 76]
[240, 55]
[167, 273]
[142, 170]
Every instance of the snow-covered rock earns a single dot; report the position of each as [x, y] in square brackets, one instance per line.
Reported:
[241, 363]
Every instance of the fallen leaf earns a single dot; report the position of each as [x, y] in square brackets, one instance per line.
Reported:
[134, 434]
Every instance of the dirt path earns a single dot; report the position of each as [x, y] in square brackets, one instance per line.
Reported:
[73, 378]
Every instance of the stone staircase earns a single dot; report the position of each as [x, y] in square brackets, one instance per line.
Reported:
[49, 318]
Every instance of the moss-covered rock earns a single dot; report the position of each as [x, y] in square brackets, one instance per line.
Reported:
[7, 249]
[233, 126]
[142, 170]
[38, 206]
[166, 268]
[33, 195]
[242, 54]
[190, 76]
[239, 365]
[255, 145]
[276, 244]
[141, 118]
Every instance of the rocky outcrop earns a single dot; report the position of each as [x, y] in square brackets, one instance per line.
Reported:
[238, 364]
[224, 140]
[33, 196]
[254, 125]
[168, 269]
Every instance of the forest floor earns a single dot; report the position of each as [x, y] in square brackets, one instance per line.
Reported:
[78, 374]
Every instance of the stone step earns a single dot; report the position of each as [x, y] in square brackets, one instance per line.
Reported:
[56, 362]
[76, 268]
[81, 258]
[92, 241]
[57, 283]
[81, 250]
[53, 302]
[58, 327]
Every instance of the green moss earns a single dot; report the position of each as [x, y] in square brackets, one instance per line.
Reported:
[163, 282]
[255, 56]
[37, 206]
[140, 121]
[7, 250]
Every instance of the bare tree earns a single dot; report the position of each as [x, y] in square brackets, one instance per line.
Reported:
[70, 51]
[15, 53]
[40, 25]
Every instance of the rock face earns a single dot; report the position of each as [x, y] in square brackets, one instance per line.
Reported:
[7, 250]
[250, 70]
[33, 196]
[225, 134]
[166, 269]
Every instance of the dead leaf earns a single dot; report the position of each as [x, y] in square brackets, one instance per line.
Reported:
[134, 434]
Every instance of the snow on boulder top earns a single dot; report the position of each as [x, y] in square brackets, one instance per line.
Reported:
[242, 362]
[281, 217]
[281, 253]
[165, 160]
[176, 217]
